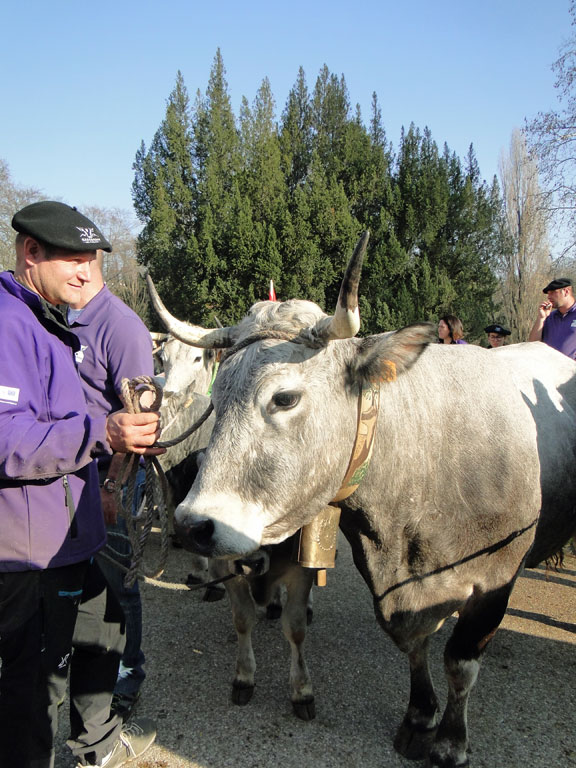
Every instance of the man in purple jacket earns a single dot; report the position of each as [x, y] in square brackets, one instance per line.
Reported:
[555, 324]
[115, 345]
[50, 514]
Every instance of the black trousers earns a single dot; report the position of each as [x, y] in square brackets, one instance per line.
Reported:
[40, 614]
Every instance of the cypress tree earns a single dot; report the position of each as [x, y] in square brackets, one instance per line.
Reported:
[163, 195]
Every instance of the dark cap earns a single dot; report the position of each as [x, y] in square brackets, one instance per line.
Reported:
[497, 329]
[60, 226]
[562, 282]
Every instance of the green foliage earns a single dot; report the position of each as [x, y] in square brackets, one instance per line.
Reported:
[228, 204]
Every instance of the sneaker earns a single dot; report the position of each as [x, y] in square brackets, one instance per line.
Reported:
[134, 740]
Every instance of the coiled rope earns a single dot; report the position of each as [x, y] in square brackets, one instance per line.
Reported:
[156, 502]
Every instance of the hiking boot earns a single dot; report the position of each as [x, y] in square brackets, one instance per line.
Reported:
[135, 738]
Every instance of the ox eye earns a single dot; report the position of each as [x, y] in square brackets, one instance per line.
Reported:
[285, 400]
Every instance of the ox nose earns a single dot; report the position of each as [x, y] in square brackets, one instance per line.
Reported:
[197, 536]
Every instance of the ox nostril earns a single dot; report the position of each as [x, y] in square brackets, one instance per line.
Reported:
[202, 532]
[196, 536]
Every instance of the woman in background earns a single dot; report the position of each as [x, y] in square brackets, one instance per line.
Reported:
[450, 330]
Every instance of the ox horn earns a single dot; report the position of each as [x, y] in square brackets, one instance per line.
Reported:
[194, 335]
[345, 322]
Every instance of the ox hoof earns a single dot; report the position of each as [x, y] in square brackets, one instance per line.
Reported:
[273, 611]
[213, 594]
[413, 743]
[241, 693]
[305, 709]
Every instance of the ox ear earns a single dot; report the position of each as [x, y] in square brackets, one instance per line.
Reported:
[387, 355]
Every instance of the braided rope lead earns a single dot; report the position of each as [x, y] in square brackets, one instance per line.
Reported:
[155, 502]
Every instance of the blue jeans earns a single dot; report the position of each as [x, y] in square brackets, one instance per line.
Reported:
[131, 672]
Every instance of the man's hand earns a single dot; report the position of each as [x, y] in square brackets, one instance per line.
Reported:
[134, 432]
[544, 309]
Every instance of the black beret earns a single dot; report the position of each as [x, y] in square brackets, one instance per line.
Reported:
[60, 226]
[497, 329]
[562, 282]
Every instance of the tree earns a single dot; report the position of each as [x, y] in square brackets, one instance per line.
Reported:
[12, 199]
[524, 264]
[435, 240]
[330, 106]
[263, 183]
[227, 205]
[296, 134]
[553, 139]
[163, 192]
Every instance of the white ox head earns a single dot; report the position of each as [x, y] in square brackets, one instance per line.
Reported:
[185, 367]
[284, 426]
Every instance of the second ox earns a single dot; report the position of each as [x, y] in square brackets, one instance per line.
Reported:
[472, 475]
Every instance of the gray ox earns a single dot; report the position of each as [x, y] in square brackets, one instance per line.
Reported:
[185, 371]
[473, 475]
[183, 366]
[189, 371]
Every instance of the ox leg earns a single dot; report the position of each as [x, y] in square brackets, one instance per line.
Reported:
[244, 618]
[274, 606]
[475, 628]
[415, 735]
[294, 622]
[310, 607]
[215, 592]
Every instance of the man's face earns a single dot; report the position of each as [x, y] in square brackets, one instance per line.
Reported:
[495, 339]
[559, 297]
[59, 279]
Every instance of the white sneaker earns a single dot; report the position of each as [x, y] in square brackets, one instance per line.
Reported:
[134, 739]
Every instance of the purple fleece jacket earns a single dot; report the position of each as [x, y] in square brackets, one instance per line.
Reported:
[115, 345]
[50, 513]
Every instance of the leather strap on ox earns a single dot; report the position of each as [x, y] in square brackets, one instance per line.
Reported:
[316, 543]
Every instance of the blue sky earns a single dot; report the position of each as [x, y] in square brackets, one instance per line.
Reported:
[83, 83]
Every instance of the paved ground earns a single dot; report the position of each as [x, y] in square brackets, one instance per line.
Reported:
[522, 713]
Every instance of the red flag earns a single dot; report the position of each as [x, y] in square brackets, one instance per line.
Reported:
[272, 292]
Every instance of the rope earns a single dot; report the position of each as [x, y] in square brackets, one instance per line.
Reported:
[155, 504]
[299, 338]
[197, 424]
[213, 582]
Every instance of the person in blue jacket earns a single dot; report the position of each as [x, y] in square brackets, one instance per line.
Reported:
[50, 512]
[115, 345]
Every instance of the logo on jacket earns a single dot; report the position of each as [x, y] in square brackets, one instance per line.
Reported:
[79, 356]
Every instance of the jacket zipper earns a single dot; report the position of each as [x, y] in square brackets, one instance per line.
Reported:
[71, 508]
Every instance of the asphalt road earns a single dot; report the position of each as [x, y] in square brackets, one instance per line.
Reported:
[522, 713]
